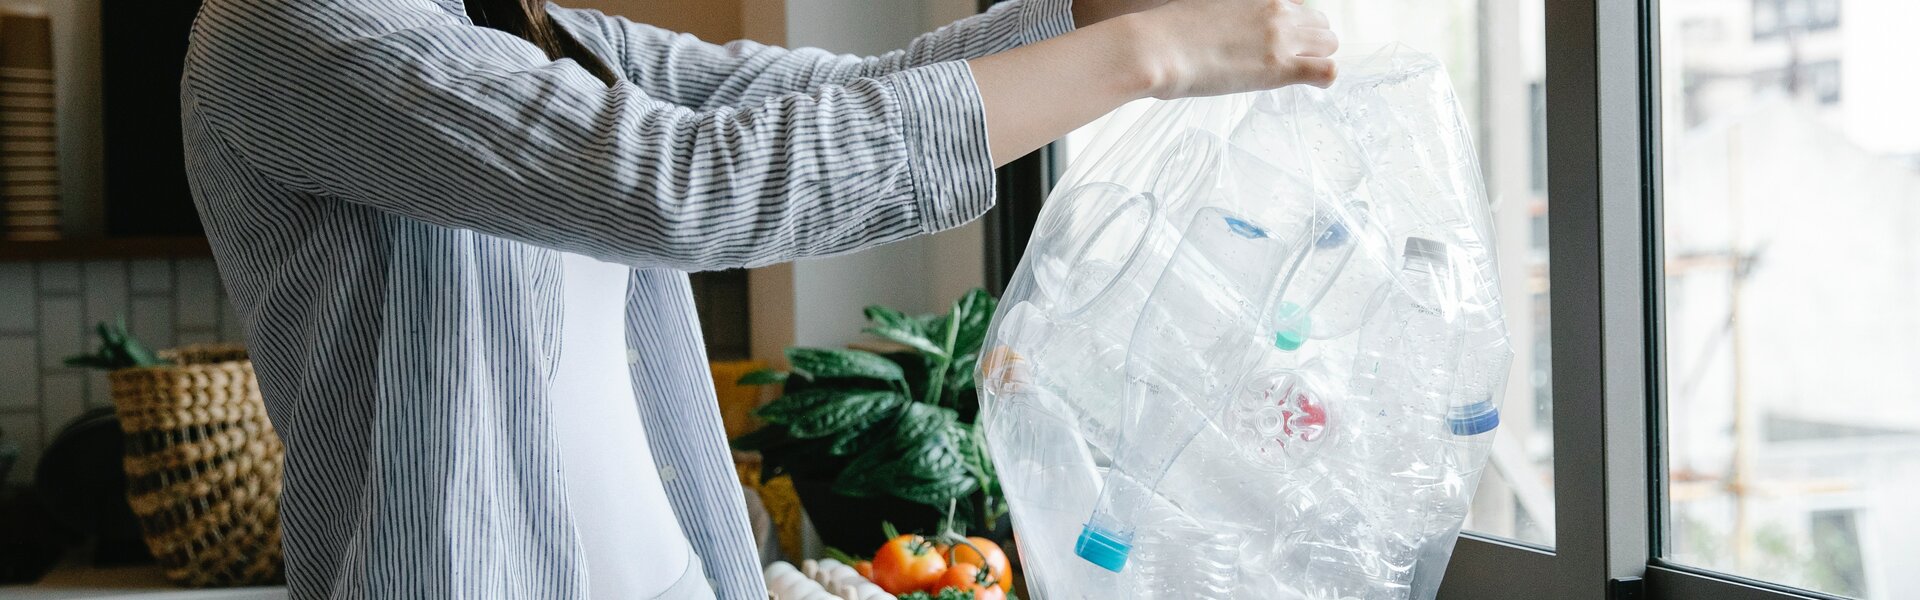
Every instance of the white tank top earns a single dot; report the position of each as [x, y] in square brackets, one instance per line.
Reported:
[635, 548]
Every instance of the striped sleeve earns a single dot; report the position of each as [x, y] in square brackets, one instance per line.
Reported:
[682, 69]
[474, 129]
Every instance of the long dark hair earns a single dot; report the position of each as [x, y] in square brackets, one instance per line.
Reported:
[529, 20]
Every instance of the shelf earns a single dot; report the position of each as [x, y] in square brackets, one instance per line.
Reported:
[106, 248]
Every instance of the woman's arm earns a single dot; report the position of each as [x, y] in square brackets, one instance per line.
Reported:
[681, 69]
[1038, 93]
[470, 128]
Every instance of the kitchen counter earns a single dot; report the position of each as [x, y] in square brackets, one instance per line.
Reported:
[126, 583]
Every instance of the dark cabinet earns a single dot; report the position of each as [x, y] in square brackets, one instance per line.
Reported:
[143, 51]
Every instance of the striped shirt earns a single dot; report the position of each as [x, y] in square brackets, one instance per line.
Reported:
[388, 188]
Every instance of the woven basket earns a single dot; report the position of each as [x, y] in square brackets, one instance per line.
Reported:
[203, 467]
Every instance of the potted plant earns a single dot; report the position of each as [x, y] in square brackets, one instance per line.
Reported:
[118, 350]
[871, 438]
[201, 459]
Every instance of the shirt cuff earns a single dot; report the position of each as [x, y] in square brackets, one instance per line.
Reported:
[1044, 19]
[945, 126]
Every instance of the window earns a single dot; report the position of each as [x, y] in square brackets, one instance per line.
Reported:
[1793, 200]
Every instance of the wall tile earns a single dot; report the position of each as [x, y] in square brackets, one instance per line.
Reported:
[63, 332]
[19, 372]
[106, 291]
[59, 277]
[23, 430]
[16, 297]
[47, 313]
[63, 397]
[150, 276]
[99, 390]
[151, 321]
[197, 294]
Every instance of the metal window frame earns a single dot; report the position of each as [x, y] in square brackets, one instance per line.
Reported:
[1598, 226]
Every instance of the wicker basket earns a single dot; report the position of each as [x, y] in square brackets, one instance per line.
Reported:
[203, 467]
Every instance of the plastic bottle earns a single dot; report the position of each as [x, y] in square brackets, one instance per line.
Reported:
[1324, 293]
[1413, 416]
[1473, 412]
[1187, 562]
[1093, 264]
[1197, 337]
[1279, 418]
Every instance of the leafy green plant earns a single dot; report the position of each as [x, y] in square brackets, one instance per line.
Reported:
[900, 424]
[118, 350]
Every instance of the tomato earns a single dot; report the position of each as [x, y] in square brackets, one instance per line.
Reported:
[969, 578]
[908, 563]
[864, 568]
[995, 561]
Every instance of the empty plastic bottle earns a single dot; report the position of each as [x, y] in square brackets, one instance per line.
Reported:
[1412, 417]
[1186, 561]
[1279, 418]
[1197, 337]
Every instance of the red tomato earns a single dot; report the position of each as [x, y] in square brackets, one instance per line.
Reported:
[907, 563]
[995, 561]
[968, 577]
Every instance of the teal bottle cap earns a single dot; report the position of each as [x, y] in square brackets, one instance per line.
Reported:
[1103, 548]
[1294, 325]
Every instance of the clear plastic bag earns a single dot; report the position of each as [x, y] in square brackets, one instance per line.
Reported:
[1255, 348]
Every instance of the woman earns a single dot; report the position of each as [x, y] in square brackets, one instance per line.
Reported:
[458, 233]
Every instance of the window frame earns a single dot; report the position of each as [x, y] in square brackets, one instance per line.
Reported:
[1605, 255]
[1596, 79]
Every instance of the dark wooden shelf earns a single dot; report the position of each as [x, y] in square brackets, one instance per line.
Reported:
[106, 248]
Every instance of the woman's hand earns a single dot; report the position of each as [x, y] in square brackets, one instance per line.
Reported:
[1213, 47]
[1179, 48]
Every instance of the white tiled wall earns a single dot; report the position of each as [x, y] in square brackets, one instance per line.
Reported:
[47, 313]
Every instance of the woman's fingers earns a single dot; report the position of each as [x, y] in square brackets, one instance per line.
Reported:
[1314, 71]
[1316, 42]
[1207, 47]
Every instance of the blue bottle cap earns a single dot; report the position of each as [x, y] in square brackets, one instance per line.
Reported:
[1245, 229]
[1103, 548]
[1474, 419]
[1335, 235]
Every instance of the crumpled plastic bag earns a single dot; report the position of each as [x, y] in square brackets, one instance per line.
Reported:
[1255, 348]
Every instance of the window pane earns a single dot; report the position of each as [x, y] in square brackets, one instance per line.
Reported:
[1792, 193]
[1495, 52]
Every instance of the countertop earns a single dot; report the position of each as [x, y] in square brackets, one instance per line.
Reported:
[126, 583]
